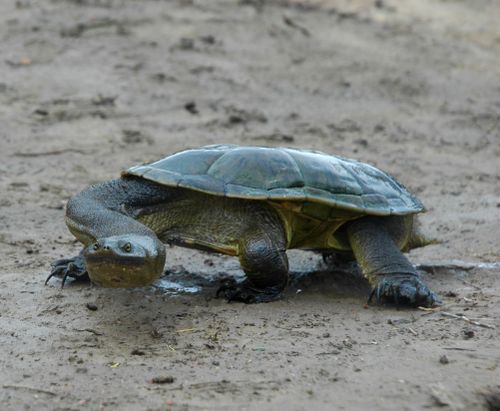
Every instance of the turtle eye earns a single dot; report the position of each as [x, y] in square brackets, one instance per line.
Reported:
[127, 247]
[96, 246]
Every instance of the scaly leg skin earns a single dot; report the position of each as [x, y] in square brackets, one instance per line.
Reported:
[393, 277]
[69, 267]
[264, 260]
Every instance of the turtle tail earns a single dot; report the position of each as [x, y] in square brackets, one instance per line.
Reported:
[417, 239]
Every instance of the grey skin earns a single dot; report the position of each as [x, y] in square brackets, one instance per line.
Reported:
[123, 224]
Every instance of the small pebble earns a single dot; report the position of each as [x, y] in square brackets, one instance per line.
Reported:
[165, 379]
[91, 306]
[444, 359]
[136, 351]
[155, 333]
[469, 333]
[191, 107]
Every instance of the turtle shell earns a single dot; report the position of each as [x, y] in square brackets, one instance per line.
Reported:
[282, 174]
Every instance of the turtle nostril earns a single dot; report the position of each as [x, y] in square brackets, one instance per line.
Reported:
[106, 247]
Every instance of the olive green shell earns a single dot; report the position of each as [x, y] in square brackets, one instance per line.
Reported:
[283, 174]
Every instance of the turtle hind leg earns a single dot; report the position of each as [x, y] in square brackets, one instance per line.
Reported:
[69, 267]
[392, 276]
[264, 261]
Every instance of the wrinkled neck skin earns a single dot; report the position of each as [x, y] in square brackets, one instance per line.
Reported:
[119, 251]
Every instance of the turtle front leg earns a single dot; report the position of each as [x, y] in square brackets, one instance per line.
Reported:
[264, 261]
[69, 267]
[392, 276]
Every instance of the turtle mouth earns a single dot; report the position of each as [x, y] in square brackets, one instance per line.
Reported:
[110, 270]
[111, 258]
[113, 281]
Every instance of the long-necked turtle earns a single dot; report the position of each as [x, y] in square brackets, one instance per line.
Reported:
[250, 202]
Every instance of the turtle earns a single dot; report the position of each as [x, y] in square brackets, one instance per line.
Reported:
[254, 203]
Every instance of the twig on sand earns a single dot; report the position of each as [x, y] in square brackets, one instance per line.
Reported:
[89, 330]
[185, 330]
[429, 310]
[51, 152]
[466, 319]
[289, 22]
[471, 285]
[412, 331]
[28, 388]
[456, 265]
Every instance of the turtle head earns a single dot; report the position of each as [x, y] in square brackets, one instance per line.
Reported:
[125, 261]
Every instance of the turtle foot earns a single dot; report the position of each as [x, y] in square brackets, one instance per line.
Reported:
[246, 293]
[69, 267]
[404, 290]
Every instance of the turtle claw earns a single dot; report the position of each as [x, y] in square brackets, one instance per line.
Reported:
[69, 267]
[403, 289]
[246, 293]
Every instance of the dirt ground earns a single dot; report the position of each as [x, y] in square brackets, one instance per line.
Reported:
[90, 87]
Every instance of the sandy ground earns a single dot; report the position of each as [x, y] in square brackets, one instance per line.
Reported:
[89, 87]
